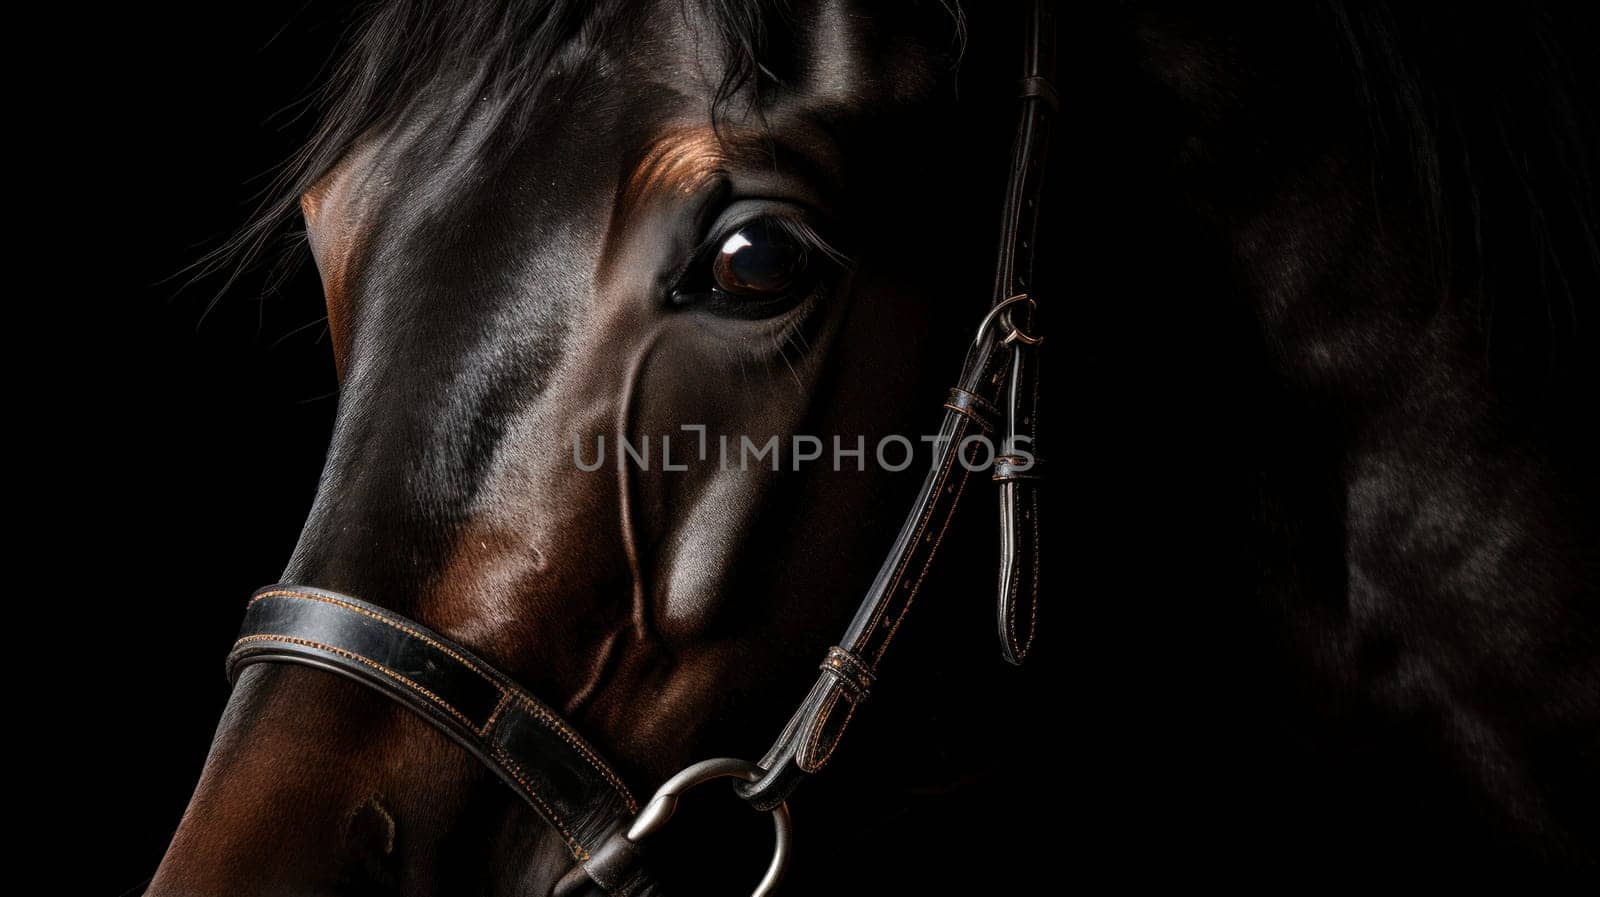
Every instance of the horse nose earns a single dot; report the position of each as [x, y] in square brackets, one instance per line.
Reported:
[298, 797]
[359, 859]
[370, 858]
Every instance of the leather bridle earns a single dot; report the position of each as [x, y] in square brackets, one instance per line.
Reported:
[551, 766]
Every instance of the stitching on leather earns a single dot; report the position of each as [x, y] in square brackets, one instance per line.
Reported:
[1013, 584]
[814, 763]
[1005, 469]
[849, 683]
[851, 670]
[971, 415]
[955, 502]
[1019, 649]
[982, 403]
[550, 721]
[814, 735]
[1035, 524]
[944, 479]
[1033, 605]
[838, 736]
[532, 705]
[350, 655]
[927, 564]
[494, 715]
[283, 593]
[905, 562]
[579, 852]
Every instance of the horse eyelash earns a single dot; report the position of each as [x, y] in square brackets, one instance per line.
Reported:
[792, 225]
[814, 242]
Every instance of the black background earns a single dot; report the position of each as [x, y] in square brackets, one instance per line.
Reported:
[182, 446]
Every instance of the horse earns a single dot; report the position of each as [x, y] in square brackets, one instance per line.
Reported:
[1318, 547]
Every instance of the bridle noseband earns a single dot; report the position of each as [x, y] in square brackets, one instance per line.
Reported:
[563, 778]
[515, 734]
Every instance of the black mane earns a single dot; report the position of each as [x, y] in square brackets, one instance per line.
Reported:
[509, 50]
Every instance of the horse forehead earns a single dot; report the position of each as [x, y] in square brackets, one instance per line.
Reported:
[645, 125]
[432, 159]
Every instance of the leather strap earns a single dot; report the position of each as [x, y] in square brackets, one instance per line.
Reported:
[543, 759]
[1017, 471]
[616, 867]
[1000, 376]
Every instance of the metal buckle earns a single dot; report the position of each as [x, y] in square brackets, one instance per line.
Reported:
[1002, 311]
[665, 801]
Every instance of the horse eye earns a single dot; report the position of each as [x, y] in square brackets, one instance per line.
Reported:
[759, 260]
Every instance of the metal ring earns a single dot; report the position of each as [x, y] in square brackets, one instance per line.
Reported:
[665, 801]
[1002, 309]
